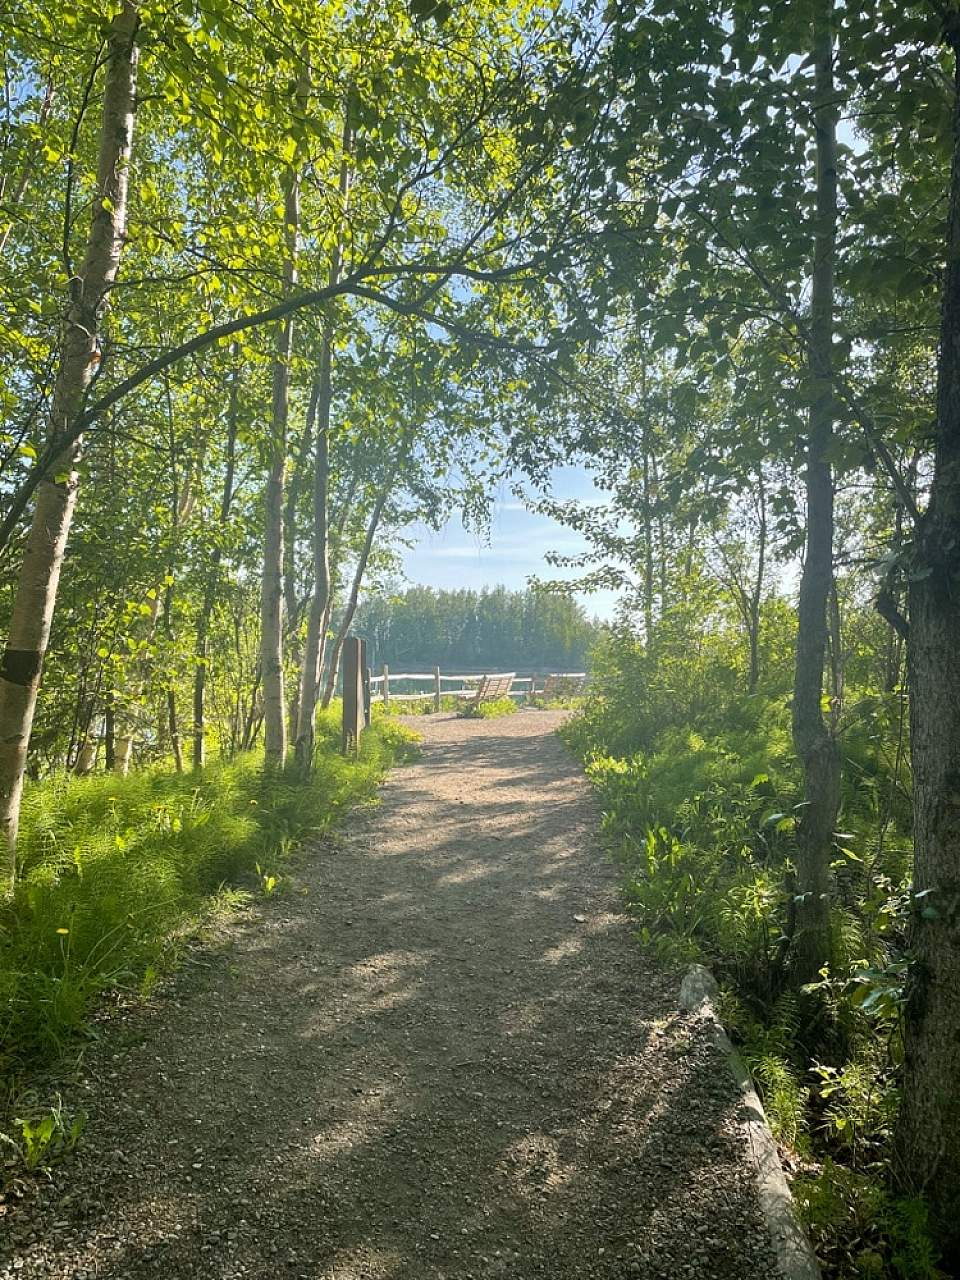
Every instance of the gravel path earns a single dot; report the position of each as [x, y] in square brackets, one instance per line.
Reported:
[441, 1056]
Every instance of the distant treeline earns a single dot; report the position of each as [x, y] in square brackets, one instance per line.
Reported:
[495, 629]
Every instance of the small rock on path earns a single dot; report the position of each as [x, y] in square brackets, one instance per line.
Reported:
[442, 1056]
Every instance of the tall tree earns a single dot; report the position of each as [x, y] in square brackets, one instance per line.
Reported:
[212, 582]
[318, 618]
[271, 606]
[929, 1133]
[813, 735]
[79, 356]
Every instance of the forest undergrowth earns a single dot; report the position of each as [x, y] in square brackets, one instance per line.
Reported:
[700, 793]
[120, 874]
[282, 307]
[491, 709]
[426, 706]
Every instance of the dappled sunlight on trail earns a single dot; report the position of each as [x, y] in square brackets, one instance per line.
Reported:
[446, 1059]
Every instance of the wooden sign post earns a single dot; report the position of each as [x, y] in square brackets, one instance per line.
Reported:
[354, 718]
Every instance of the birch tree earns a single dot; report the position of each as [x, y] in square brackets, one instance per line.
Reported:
[57, 493]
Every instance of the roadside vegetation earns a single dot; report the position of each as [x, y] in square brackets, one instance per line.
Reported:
[563, 702]
[491, 709]
[121, 874]
[701, 793]
[425, 706]
[301, 281]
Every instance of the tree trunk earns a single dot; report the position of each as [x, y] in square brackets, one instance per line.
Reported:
[295, 489]
[320, 601]
[271, 600]
[292, 605]
[173, 725]
[753, 676]
[86, 760]
[123, 753]
[647, 547]
[813, 739]
[347, 619]
[201, 644]
[57, 493]
[835, 641]
[646, 512]
[109, 733]
[271, 607]
[928, 1138]
[271, 624]
[661, 534]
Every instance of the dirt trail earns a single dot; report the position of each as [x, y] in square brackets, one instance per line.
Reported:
[442, 1055]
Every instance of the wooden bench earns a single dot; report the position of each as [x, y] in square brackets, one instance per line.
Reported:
[492, 687]
[562, 687]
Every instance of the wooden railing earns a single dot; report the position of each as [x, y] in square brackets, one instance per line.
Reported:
[360, 687]
[524, 687]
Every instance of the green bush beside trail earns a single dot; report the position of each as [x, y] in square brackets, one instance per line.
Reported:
[116, 873]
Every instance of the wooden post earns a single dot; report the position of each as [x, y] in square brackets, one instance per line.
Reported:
[365, 683]
[436, 688]
[533, 685]
[352, 695]
[386, 687]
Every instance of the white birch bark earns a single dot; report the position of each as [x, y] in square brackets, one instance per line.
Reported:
[321, 602]
[272, 581]
[57, 493]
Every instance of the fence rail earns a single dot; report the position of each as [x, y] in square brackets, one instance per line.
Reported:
[520, 687]
[478, 675]
[360, 686]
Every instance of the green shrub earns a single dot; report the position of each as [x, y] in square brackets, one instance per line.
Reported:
[860, 1229]
[425, 706]
[116, 872]
[573, 702]
[699, 792]
[490, 710]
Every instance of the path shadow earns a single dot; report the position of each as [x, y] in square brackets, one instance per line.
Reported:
[446, 1059]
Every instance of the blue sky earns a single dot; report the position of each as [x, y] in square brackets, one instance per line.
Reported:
[514, 549]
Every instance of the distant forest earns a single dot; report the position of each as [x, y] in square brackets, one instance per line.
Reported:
[496, 629]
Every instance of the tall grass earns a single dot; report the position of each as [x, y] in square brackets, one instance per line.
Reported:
[492, 709]
[425, 706]
[700, 792]
[116, 873]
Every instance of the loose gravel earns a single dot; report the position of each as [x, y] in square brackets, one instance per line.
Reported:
[439, 1055]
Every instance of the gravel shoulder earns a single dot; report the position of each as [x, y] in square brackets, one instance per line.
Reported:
[440, 1056]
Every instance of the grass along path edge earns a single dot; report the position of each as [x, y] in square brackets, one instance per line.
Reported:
[119, 875]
